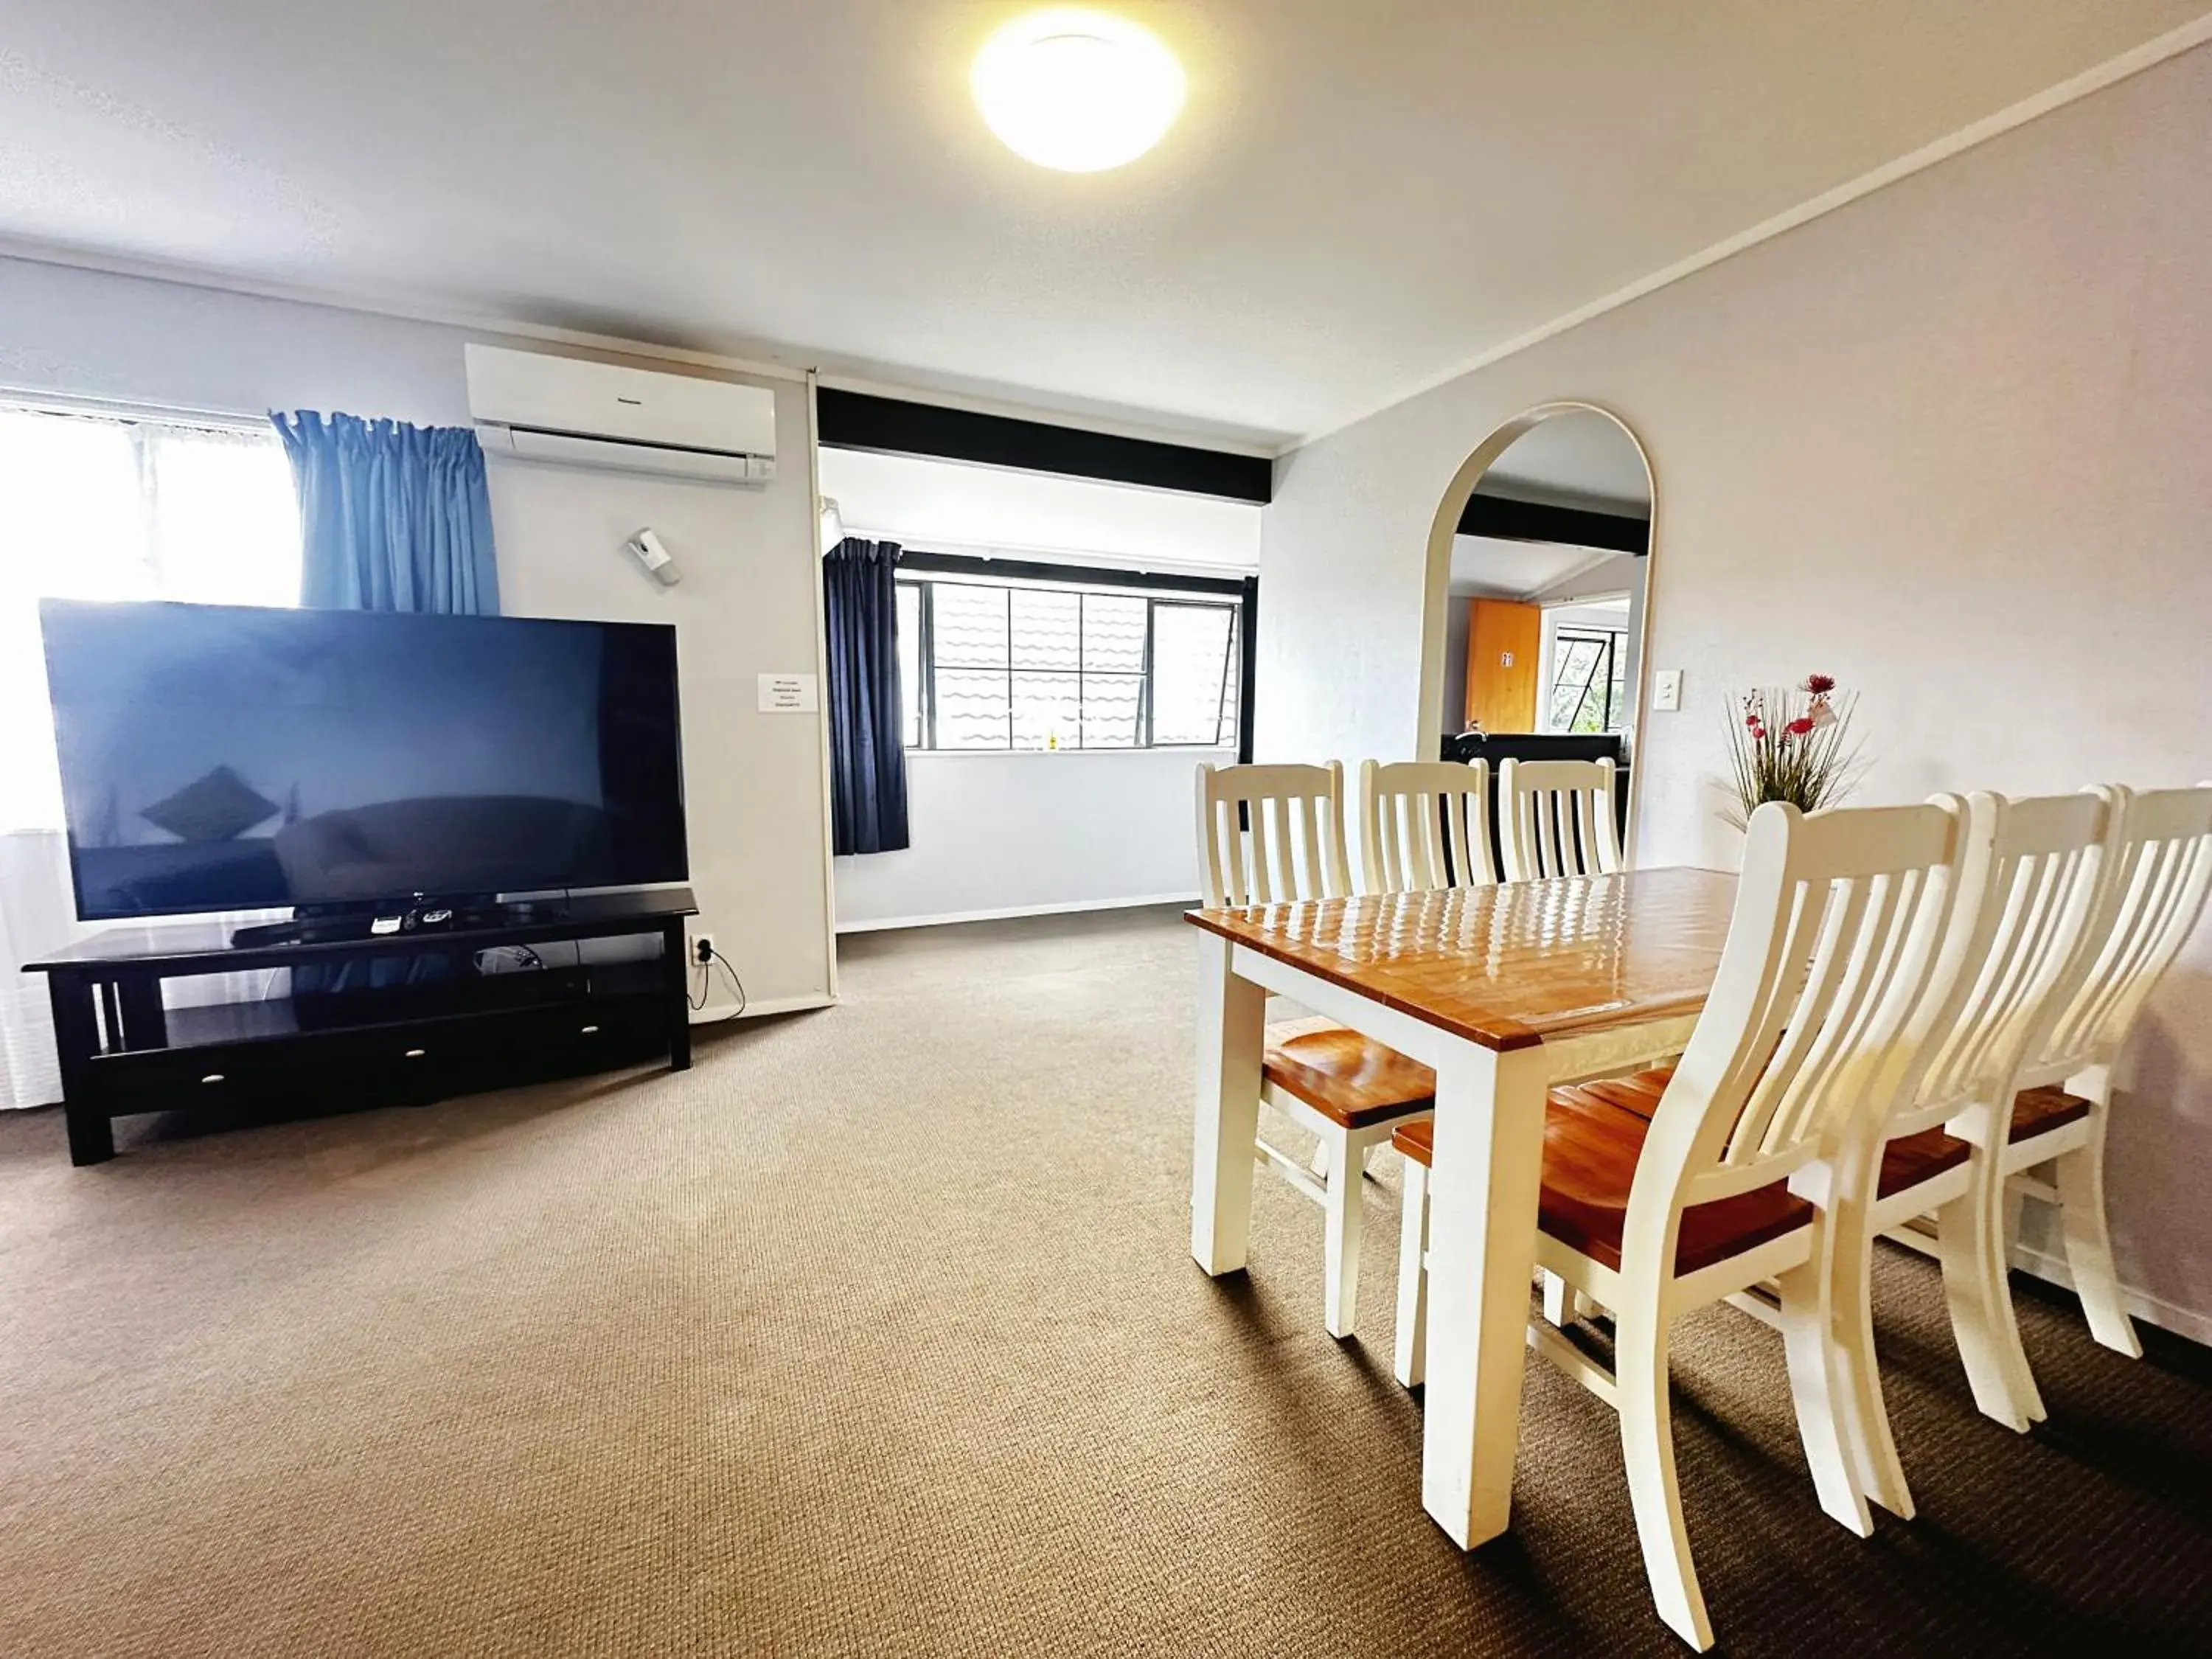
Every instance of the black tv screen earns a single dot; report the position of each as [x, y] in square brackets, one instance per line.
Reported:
[230, 757]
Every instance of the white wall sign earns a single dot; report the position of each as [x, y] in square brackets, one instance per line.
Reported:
[788, 694]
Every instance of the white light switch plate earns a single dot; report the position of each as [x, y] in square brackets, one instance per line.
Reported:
[788, 694]
[1667, 691]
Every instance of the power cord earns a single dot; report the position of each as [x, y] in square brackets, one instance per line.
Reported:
[714, 959]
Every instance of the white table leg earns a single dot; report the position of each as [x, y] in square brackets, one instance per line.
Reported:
[1482, 1250]
[1231, 1031]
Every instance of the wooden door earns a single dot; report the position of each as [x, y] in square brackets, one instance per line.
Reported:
[1504, 639]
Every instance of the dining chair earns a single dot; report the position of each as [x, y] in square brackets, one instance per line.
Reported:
[2161, 870]
[2157, 865]
[2030, 887]
[1424, 824]
[1559, 818]
[1671, 1190]
[1270, 834]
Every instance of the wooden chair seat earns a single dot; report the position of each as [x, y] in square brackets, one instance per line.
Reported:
[1911, 1159]
[1590, 1148]
[2039, 1111]
[1347, 1079]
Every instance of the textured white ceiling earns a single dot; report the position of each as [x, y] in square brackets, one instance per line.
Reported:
[1360, 195]
[1579, 458]
[1514, 570]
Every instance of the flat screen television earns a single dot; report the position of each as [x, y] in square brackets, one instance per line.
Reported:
[231, 757]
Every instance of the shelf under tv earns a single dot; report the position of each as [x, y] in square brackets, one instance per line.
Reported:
[122, 1052]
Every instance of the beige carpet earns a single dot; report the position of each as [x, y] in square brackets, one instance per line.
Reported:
[878, 1333]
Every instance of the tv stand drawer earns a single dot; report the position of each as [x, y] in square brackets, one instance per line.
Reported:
[422, 1061]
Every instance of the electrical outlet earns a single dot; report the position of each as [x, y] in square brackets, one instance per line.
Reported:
[702, 949]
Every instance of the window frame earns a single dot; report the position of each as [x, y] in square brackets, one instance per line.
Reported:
[1237, 596]
[1614, 642]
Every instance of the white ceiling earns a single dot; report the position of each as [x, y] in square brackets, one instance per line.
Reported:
[1515, 570]
[1359, 197]
[1579, 458]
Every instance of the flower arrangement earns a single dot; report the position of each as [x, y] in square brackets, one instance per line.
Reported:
[1791, 743]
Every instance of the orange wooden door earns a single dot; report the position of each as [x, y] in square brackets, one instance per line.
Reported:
[1504, 640]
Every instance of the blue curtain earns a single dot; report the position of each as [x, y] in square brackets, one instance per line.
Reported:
[867, 763]
[392, 517]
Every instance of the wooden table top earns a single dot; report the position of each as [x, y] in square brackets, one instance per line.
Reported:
[1510, 966]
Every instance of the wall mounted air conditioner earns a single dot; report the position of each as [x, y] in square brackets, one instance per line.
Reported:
[536, 407]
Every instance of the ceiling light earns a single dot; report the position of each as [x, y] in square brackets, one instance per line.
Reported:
[1077, 90]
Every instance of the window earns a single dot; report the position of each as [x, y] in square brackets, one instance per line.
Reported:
[98, 507]
[1005, 665]
[1588, 693]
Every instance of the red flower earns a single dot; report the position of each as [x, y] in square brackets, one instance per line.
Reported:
[1820, 685]
[1798, 727]
[1752, 720]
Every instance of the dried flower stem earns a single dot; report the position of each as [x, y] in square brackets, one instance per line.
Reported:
[1792, 744]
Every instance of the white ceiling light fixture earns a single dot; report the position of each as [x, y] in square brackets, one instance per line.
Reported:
[1077, 90]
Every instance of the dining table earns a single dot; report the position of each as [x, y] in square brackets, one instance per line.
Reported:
[1505, 990]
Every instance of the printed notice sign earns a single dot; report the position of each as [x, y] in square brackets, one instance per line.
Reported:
[788, 694]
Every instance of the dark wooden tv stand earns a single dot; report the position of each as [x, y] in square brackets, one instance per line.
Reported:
[451, 1027]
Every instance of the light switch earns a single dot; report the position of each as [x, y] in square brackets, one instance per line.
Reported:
[1667, 691]
[1505, 659]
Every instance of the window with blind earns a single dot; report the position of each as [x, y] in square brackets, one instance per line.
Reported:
[1033, 665]
[96, 507]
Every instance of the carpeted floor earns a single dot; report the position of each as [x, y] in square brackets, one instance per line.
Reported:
[877, 1334]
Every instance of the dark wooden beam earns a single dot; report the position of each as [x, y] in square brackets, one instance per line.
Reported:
[1507, 519]
[892, 426]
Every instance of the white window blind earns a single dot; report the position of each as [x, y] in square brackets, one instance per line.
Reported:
[93, 507]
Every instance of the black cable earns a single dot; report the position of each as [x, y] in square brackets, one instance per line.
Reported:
[715, 959]
[718, 959]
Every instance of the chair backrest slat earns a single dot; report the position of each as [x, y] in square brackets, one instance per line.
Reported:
[1270, 834]
[1838, 929]
[1560, 819]
[2031, 883]
[2160, 860]
[1424, 825]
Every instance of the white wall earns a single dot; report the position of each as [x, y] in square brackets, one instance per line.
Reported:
[1948, 443]
[1026, 834]
[1018, 834]
[747, 604]
[945, 505]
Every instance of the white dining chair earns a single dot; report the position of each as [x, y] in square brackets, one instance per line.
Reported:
[2157, 867]
[1424, 825]
[1272, 835]
[2030, 888]
[2161, 870]
[1673, 1190]
[1559, 818]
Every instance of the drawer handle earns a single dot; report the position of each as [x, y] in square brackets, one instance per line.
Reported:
[212, 1077]
[417, 1054]
[590, 1031]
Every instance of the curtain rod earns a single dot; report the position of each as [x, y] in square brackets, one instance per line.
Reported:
[1104, 561]
[127, 408]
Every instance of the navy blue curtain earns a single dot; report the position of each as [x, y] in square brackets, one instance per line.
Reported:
[867, 763]
[392, 517]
